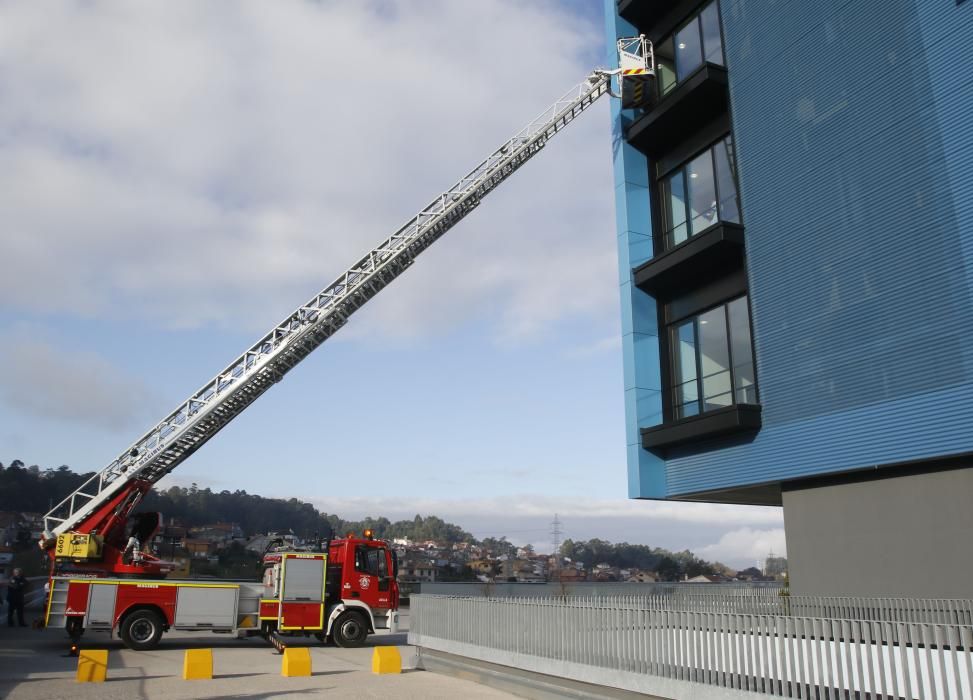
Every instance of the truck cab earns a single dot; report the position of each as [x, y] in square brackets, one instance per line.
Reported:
[343, 595]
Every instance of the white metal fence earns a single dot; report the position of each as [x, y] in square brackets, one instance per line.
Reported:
[630, 644]
[777, 602]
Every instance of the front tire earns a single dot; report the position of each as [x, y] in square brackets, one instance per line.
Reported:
[141, 630]
[350, 630]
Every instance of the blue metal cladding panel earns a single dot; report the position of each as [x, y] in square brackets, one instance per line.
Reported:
[640, 341]
[853, 123]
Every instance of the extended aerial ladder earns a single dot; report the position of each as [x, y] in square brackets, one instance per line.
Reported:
[89, 527]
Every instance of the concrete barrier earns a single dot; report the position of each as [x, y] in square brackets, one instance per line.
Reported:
[92, 666]
[197, 665]
[296, 662]
[386, 660]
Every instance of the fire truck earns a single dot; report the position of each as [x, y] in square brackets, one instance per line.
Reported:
[103, 575]
[342, 594]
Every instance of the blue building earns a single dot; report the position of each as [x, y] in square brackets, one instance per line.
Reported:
[795, 236]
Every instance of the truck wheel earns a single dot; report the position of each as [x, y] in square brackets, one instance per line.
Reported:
[141, 630]
[350, 630]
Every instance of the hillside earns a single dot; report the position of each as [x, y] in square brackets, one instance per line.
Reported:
[31, 489]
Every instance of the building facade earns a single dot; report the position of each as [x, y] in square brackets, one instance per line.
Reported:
[795, 235]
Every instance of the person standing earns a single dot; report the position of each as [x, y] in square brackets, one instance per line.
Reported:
[16, 586]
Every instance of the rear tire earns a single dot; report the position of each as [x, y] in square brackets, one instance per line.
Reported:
[141, 630]
[350, 630]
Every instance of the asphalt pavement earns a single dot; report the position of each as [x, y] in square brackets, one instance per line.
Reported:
[34, 664]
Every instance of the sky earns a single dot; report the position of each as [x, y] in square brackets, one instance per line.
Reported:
[175, 178]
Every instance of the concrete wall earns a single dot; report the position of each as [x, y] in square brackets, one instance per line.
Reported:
[906, 536]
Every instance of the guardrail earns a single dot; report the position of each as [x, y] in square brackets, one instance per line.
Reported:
[931, 610]
[650, 648]
[502, 589]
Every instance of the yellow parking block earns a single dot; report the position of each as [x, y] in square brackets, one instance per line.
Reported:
[386, 660]
[197, 664]
[92, 665]
[296, 662]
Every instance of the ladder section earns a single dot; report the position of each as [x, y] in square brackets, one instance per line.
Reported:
[56, 617]
[226, 395]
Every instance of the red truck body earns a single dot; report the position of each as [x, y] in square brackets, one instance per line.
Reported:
[342, 595]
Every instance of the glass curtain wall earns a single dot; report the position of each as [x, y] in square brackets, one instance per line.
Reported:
[700, 194]
[712, 358]
[696, 42]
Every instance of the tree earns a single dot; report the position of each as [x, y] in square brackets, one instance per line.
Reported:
[775, 566]
[668, 569]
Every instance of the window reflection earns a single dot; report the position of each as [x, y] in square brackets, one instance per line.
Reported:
[699, 40]
[709, 20]
[712, 358]
[729, 208]
[689, 50]
[700, 194]
[684, 356]
[744, 385]
[676, 208]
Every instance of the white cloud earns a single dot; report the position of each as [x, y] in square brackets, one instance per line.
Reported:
[535, 505]
[742, 534]
[748, 545]
[200, 163]
[76, 386]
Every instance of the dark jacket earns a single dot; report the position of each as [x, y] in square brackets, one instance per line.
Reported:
[15, 589]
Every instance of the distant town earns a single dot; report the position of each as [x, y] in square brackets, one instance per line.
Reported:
[429, 549]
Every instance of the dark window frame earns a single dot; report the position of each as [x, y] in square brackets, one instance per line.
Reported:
[671, 402]
[696, 17]
[363, 561]
[665, 240]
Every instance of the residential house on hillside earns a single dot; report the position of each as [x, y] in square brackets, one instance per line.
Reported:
[199, 548]
[13, 529]
[417, 569]
[570, 574]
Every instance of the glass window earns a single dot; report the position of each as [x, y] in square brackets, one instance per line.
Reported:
[665, 66]
[678, 56]
[700, 194]
[712, 358]
[686, 386]
[729, 208]
[709, 20]
[741, 349]
[675, 189]
[371, 560]
[689, 49]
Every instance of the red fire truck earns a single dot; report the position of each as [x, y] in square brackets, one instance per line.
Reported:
[342, 595]
[346, 590]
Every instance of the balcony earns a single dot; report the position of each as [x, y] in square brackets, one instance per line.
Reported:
[741, 420]
[645, 14]
[693, 104]
[714, 252]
